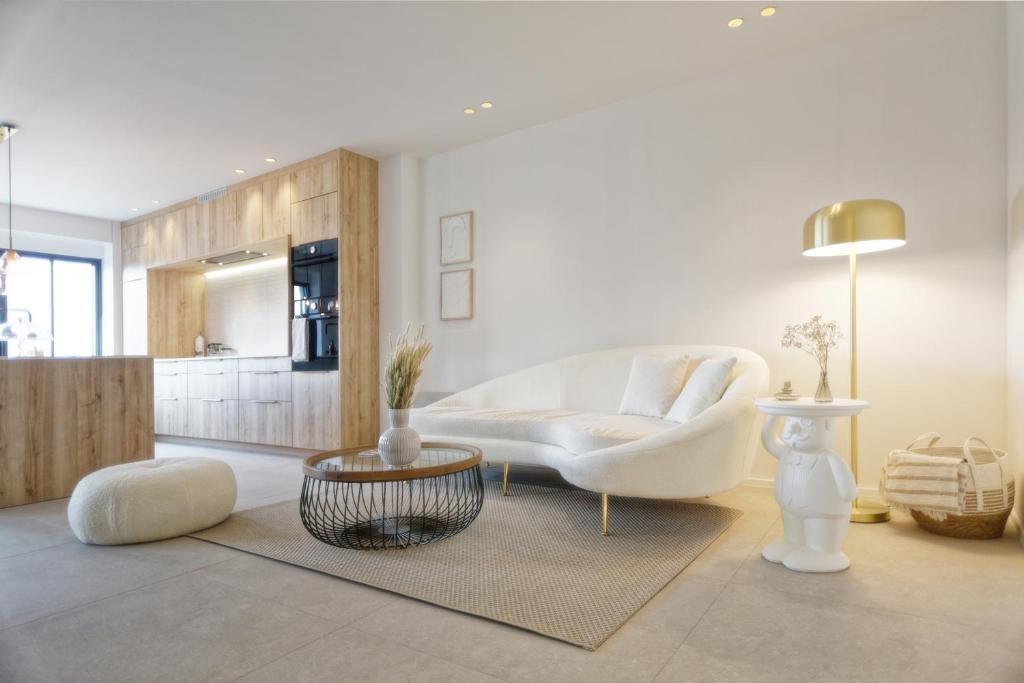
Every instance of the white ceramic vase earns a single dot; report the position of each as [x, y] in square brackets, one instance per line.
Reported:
[400, 444]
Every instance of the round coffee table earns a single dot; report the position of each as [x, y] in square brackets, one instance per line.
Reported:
[351, 499]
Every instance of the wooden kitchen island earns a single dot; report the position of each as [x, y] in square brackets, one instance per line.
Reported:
[62, 418]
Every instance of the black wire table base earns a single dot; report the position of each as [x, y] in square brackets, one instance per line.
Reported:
[374, 515]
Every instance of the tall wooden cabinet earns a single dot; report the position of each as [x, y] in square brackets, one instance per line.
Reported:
[333, 195]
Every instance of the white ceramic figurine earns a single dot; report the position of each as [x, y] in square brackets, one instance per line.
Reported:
[815, 489]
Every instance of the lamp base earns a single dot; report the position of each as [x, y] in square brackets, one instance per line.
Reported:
[866, 512]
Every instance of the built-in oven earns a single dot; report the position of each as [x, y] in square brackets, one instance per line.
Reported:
[315, 304]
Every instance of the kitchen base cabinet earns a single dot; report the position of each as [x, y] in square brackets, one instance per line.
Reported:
[171, 416]
[316, 410]
[213, 418]
[265, 421]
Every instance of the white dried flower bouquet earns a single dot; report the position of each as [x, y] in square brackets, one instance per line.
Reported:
[814, 337]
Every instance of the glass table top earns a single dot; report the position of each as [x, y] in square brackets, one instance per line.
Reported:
[364, 464]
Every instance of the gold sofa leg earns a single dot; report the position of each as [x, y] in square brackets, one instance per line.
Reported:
[504, 481]
[604, 514]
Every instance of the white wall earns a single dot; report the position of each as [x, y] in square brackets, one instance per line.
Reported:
[676, 217]
[69, 235]
[249, 312]
[1015, 254]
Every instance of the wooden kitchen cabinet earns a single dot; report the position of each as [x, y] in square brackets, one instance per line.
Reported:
[171, 237]
[265, 385]
[265, 421]
[171, 415]
[277, 206]
[315, 179]
[246, 221]
[316, 410]
[216, 227]
[315, 219]
[213, 418]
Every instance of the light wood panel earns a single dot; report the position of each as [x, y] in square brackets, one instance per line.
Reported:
[247, 219]
[277, 206]
[62, 418]
[265, 421]
[265, 385]
[315, 219]
[316, 178]
[175, 312]
[358, 280]
[213, 419]
[216, 225]
[171, 415]
[316, 406]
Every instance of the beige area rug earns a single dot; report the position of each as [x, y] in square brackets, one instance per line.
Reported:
[535, 559]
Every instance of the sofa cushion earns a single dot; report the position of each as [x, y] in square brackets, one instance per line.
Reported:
[574, 431]
[703, 389]
[654, 383]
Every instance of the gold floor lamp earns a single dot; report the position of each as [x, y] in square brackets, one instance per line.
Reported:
[847, 229]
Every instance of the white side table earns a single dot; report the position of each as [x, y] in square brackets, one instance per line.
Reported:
[813, 485]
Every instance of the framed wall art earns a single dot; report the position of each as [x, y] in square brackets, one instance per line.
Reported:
[457, 238]
[457, 294]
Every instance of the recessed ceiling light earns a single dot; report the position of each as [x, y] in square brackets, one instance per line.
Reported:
[240, 171]
[156, 201]
[486, 105]
[469, 110]
[767, 11]
[270, 160]
[735, 22]
[134, 208]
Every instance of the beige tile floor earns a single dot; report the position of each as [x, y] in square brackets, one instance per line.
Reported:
[913, 607]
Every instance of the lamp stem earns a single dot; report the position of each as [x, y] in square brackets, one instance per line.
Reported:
[853, 364]
[10, 195]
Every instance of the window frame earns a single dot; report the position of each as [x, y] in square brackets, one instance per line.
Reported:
[97, 267]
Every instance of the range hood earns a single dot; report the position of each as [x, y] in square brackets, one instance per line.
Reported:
[234, 257]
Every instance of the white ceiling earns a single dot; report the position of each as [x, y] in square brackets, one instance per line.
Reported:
[122, 103]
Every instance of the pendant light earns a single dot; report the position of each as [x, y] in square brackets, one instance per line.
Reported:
[9, 259]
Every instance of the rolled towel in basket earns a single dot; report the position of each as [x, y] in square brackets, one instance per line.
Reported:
[922, 482]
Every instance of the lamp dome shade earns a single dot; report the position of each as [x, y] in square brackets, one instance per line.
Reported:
[859, 227]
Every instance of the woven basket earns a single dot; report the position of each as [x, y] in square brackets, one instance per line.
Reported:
[986, 484]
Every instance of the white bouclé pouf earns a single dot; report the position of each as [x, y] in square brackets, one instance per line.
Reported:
[151, 500]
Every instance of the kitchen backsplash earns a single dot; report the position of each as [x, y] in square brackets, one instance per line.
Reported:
[249, 312]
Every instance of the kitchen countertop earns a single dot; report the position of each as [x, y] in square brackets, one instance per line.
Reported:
[220, 357]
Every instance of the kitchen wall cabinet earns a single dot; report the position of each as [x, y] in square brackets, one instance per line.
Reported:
[316, 410]
[277, 206]
[246, 221]
[315, 179]
[216, 225]
[315, 219]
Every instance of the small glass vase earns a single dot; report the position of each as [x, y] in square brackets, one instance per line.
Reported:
[399, 445]
[824, 392]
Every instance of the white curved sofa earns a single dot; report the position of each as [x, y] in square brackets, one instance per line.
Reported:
[563, 414]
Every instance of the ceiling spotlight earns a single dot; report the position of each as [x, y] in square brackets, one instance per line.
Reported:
[239, 171]
[270, 160]
[266, 254]
[156, 201]
[486, 105]
[134, 208]
[767, 11]
[735, 22]
[203, 261]
[469, 110]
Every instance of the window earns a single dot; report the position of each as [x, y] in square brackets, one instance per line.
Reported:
[63, 295]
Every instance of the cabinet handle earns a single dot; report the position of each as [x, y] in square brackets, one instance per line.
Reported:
[167, 398]
[212, 400]
[264, 401]
[213, 373]
[265, 372]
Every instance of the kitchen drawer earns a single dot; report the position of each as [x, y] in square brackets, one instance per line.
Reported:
[170, 386]
[201, 367]
[170, 367]
[265, 385]
[171, 416]
[213, 384]
[265, 364]
[265, 421]
[213, 419]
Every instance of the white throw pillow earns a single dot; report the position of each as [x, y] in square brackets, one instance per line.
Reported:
[654, 382]
[703, 390]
